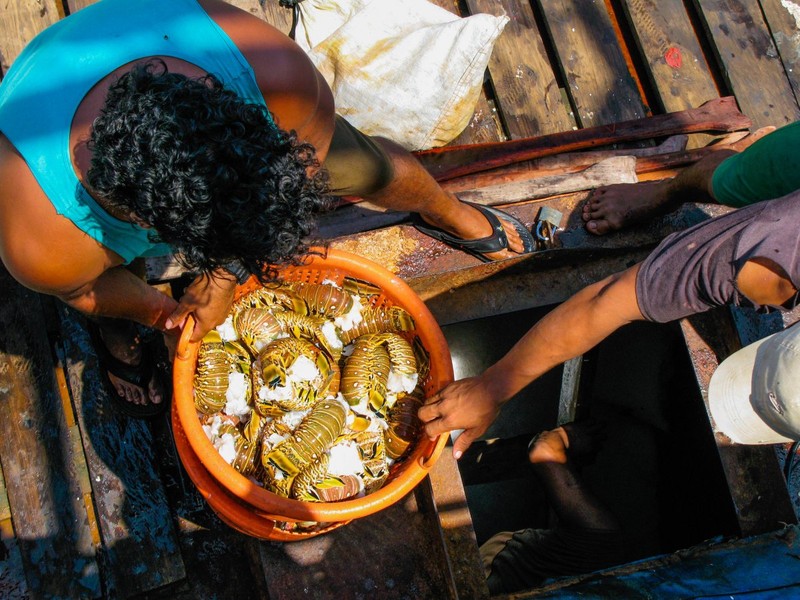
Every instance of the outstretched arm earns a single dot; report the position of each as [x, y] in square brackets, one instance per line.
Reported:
[568, 331]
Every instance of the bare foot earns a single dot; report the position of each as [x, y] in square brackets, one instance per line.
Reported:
[549, 447]
[126, 345]
[579, 441]
[613, 207]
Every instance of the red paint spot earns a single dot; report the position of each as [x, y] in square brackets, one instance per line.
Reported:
[673, 58]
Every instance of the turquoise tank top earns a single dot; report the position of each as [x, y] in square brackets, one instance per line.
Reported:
[43, 88]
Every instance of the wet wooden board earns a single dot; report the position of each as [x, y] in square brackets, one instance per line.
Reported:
[20, 21]
[44, 497]
[528, 93]
[594, 66]
[142, 550]
[13, 585]
[749, 61]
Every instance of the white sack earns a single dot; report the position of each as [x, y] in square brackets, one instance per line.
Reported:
[407, 70]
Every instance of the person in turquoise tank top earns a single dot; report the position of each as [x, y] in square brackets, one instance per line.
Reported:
[133, 129]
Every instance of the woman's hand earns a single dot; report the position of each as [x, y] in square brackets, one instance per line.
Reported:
[467, 404]
[208, 298]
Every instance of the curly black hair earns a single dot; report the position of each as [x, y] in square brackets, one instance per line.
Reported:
[210, 173]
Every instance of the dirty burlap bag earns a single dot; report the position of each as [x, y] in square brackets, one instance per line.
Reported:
[407, 70]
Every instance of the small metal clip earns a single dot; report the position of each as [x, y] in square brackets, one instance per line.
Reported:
[546, 225]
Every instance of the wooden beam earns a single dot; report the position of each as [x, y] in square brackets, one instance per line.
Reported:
[134, 516]
[720, 115]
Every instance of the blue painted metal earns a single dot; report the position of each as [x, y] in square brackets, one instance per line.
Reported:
[766, 567]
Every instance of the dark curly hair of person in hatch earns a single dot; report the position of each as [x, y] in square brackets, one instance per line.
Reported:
[211, 174]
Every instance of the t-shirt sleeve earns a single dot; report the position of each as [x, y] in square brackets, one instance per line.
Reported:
[769, 168]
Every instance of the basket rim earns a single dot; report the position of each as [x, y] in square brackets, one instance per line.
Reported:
[415, 466]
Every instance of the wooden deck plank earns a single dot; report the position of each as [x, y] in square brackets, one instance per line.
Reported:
[13, 585]
[676, 66]
[142, 551]
[783, 19]
[20, 22]
[49, 518]
[528, 94]
[600, 84]
[750, 61]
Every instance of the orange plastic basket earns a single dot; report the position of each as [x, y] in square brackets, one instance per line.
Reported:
[252, 509]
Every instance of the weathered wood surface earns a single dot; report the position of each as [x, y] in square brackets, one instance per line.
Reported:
[142, 551]
[676, 64]
[602, 88]
[20, 22]
[38, 459]
[749, 60]
[783, 18]
[528, 93]
[718, 115]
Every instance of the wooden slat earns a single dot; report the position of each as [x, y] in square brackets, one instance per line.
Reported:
[49, 517]
[528, 95]
[594, 66]
[13, 585]
[676, 66]
[667, 41]
[135, 522]
[783, 19]
[750, 60]
[20, 21]
[717, 115]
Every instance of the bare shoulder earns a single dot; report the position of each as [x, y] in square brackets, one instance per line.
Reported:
[295, 92]
[41, 249]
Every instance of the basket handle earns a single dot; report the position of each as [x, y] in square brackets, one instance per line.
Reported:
[182, 350]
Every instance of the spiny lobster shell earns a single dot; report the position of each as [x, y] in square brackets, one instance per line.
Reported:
[366, 372]
[379, 320]
[312, 438]
[403, 423]
[279, 355]
[324, 299]
[215, 362]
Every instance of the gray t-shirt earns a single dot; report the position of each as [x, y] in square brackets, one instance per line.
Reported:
[695, 270]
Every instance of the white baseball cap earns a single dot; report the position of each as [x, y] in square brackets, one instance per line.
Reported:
[754, 395]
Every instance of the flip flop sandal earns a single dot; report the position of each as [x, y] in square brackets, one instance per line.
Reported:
[492, 243]
[139, 375]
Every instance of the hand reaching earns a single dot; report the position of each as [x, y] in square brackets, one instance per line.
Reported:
[466, 404]
[209, 298]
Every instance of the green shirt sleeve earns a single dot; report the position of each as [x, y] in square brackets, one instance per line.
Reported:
[769, 168]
